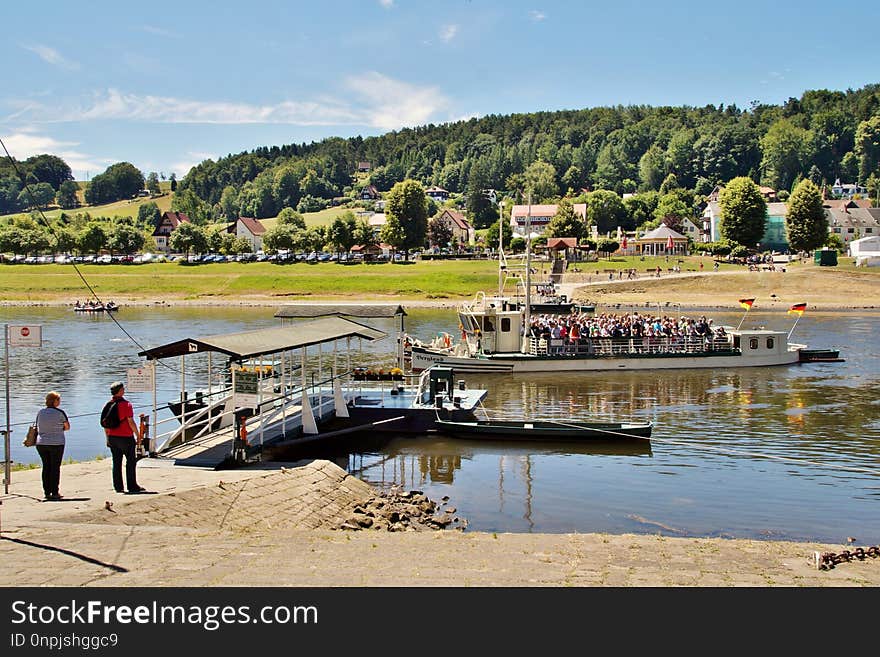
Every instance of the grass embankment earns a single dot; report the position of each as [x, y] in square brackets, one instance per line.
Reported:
[841, 287]
[172, 281]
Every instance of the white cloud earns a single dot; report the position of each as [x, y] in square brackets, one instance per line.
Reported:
[26, 143]
[182, 167]
[387, 3]
[159, 31]
[372, 99]
[448, 32]
[536, 15]
[391, 104]
[52, 56]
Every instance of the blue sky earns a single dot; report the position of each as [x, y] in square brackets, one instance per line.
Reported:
[165, 85]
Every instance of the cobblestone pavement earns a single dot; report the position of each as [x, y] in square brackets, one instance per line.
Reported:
[268, 527]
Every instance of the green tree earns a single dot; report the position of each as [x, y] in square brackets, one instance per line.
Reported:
[290, 217]
[126, 239]
[392, 233]
[867, 146]
[127, 179]
[66, 197]
[280, 237]
[439, 233]
[92, 238]
[607, 246]
[188, 238]
[480, 208]
[229, 207]
[787, 150]
[806, 221]
[492, 236]
[173, 179]
[539, 179]
[310, 240]
[64, 240]
[149, 216]
[153, 183]
[48, 169]
[407, 209]
[743, 212]
[566, 222]
[38, 195]
[872, 184]
[669, 184]
[671, 210]
[573, 178]
[652, 167]
[364, 235]
[341, 233]
[605, 211]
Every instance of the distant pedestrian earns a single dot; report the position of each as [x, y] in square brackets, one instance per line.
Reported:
[52, 422]
[122, 440]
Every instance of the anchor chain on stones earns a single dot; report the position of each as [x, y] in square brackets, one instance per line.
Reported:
[827, 560]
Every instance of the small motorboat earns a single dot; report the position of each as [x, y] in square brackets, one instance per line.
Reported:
[96, 308]
[543, 429]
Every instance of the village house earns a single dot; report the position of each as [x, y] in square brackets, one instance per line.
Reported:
[774, 238]
[847, 190]
[167, 225]
[850, 222]
[370, 193]
[462, 231]
[538, 216]
[363, 167]
[250, 229]
[437, 193]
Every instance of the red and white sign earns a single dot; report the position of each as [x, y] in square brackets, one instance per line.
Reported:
[25, 336]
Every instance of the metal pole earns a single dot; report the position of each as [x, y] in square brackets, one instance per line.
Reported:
[527, 320]
[500, 247]
[7, 468]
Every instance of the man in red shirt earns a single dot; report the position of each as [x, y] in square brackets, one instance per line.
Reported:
[122, 441]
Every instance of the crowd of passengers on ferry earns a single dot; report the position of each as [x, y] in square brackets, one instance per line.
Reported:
[607, 333]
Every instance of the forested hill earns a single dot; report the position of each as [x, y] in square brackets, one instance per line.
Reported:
[824, 135]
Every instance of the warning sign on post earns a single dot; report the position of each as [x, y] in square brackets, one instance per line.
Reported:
[140, 379]
[247, 389]
[26, 336]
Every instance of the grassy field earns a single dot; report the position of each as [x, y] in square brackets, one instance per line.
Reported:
[452, 280]
[171, 281]
[324, 217]
[118, 209]
[844, 286]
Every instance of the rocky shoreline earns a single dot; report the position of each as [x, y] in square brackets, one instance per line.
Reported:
[402, 510]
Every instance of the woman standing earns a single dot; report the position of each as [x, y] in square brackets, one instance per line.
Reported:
[52, 422]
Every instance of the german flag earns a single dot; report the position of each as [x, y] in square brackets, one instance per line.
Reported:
[797, 309]
[746, 303]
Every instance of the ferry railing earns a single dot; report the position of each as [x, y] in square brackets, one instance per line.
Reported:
[635, 346]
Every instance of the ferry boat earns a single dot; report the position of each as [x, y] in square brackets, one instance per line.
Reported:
[493, 339]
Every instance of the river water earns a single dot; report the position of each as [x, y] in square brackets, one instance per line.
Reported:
[770, 453]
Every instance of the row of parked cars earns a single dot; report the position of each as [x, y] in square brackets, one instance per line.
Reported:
[143, 258]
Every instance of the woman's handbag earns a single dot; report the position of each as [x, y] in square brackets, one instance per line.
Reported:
[31, 438]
